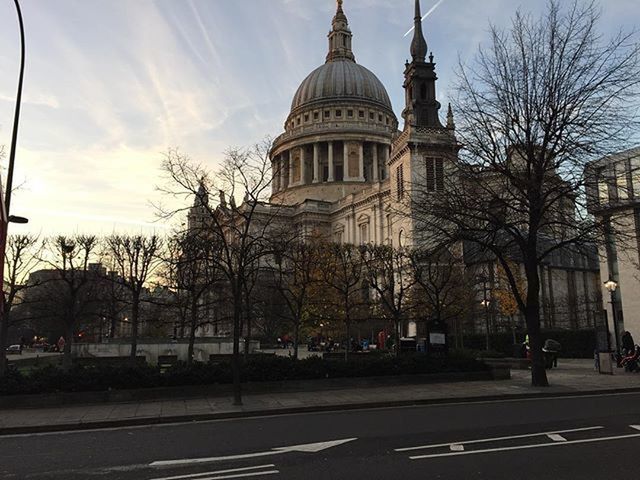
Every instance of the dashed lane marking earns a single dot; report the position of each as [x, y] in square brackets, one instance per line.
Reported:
[556, 438]
[525, 447]
[496, 439]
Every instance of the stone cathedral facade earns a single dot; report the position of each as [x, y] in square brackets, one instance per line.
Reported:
[342, 168]
[341, 165]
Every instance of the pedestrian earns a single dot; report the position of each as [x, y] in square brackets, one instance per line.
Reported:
[628, 344]
[61, 344]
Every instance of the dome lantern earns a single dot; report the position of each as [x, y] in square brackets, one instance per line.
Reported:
[340, 38]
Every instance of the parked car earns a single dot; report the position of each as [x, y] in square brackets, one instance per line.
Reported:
[14, 350]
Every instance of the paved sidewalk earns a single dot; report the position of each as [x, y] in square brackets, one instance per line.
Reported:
[571, 378]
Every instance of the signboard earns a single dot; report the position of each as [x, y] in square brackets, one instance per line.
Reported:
[437, 343]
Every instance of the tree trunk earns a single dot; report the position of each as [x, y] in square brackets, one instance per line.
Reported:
[348, 345]
[235, 362]
[67, 361]
[296, 339]
[192, 332]
[4, 334]
[532, 316]
[113, 326]
[247, 338]
[135, 311]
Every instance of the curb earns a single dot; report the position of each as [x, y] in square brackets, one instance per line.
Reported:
[150, 421]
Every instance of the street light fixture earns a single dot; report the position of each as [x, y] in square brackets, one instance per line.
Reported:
[612, 285]
[485, 303]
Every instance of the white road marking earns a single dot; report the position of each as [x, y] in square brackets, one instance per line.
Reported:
[307, 448]
[556, 438]
[524, 447]
[242, 475]
[456, 448]
[218, 472]
[496, 439]
[637, 427]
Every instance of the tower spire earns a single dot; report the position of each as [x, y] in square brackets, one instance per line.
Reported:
[418, 44]
[340, 37]
[451, 124]
[421, 105]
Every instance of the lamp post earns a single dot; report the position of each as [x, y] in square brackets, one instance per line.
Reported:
[16, 116]
[485, 303]
[612, 285]
[5, 218]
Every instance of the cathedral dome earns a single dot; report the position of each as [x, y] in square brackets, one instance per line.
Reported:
[340, 80]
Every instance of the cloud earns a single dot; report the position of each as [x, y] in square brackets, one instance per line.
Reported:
[111, 84]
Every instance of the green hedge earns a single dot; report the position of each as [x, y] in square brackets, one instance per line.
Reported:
[575, 343]
[259, 369]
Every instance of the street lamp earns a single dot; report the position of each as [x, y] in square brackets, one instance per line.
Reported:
[5, 218]
[485, 303]
[612, 285]
[16, 116]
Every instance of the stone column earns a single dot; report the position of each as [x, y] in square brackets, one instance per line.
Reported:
[374, 225]
[303, 166]
[361, 163]
[290, 183]
[316, 163]
[386, 160]
[283, 180]
[275, 176]
[330, 159]
[375, 163]
[345, 162]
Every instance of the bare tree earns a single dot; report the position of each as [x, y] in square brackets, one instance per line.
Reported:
[390, 275]
[241, 230]
[194, 274]
[293, 266]
[21, 258]
[134, 258]
[66, 291]
[541, 101]
[346, 299]
[443, 290]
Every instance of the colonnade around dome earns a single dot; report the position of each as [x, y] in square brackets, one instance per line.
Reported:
[331, 161]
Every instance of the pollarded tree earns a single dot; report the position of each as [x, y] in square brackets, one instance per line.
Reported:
[540, 101]
[66, 292]
[134, 258]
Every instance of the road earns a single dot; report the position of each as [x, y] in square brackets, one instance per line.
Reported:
[568, 438]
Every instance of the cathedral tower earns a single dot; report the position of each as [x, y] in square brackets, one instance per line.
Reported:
[421, 106]
[421, 154]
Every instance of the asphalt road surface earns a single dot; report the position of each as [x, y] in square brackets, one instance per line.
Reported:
[570, 438]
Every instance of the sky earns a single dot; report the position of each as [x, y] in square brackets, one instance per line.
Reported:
[110, 85]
